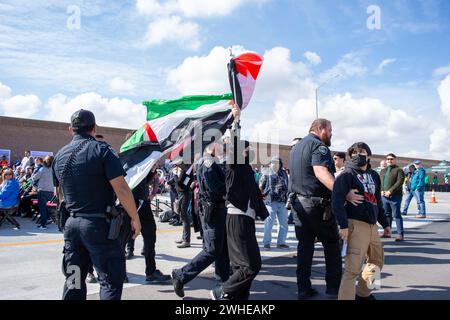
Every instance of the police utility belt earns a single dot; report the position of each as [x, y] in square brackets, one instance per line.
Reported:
[208, 209]
[317, 202]
[113, 215]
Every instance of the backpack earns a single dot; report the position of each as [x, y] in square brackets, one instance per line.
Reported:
[167, 215]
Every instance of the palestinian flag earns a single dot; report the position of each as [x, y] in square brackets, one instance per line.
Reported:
[242, 73]
[172, 126]
[179, 127]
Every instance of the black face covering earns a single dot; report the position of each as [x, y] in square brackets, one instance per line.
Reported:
[359, 160]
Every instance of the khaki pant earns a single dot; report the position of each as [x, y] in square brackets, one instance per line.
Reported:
[363, 245]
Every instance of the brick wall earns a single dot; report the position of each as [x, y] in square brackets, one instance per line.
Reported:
[19, 135]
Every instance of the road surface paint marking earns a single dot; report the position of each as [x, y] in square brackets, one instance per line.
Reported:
[17, 244]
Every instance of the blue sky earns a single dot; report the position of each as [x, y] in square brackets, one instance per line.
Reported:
[393, 88]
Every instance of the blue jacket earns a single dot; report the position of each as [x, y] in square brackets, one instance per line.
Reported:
[9, 194]
[418, 179]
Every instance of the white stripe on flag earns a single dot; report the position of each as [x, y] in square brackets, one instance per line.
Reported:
[139, 171]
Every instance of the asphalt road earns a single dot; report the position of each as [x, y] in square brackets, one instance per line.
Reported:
[419, 268]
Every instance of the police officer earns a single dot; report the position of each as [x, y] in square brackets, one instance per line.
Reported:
[143, 199]
[312, 178]
[211, 178]
[87, 173]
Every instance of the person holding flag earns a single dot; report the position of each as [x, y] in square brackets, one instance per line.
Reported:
[244, 203]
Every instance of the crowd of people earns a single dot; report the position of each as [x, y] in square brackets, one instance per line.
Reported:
[330, 200]
[28, 180]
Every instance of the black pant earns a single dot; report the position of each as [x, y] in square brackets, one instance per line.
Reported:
[25, 205]
[148, 231]
[311, 226]
[244, 256]
[184, 201]
[214, 249]
[86, 243]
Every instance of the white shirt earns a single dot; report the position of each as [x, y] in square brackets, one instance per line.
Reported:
[24, 162]
[249, 213]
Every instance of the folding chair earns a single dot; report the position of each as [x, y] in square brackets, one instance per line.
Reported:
[52, 206]
[6, 214]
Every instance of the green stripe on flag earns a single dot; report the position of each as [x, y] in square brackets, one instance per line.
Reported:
[160, 108]
[136, 138]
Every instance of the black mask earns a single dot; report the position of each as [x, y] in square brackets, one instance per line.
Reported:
[359, 160]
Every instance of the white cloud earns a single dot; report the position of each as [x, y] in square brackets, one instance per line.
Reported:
[189, 8]
[383, 65]
[174, 29]
[280, 77]
[442, 71]
[350, 65]
[202, 74]
[444, 94]
[312, 57]
[22, 106]
[440, 137]
[169, 22]
[439, 141]
[119, 85]
[115, 112]
[5, 91]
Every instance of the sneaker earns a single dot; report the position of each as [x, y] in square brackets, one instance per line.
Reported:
[42, 227]
[267, 246]
[157, 277]
[199, 238]
[371, 297]
[91, 278]
[283, 246]
[404, 213]
[304, 295]
[177, 284]
[179, 241]
[184, 245]
[129, 255]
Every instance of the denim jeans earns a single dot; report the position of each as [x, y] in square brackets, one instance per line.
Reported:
[43, 197]
[409, 196]
[392, 207]
[276, 210]
[419, 194]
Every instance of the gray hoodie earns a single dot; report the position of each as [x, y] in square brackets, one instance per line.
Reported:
[44, 178]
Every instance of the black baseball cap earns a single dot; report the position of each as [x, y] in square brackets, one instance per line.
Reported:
[82, 118]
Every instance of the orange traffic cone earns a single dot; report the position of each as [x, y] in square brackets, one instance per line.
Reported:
[433, 197]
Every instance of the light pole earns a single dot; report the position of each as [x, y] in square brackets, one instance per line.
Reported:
[317, 92]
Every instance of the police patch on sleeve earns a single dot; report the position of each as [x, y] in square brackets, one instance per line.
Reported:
[323, 150]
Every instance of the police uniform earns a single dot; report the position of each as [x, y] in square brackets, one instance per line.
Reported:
[211, 178]
[87, 193]
[141, 194]
[313, 216]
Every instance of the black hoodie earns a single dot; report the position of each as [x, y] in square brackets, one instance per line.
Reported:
[368, 184]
